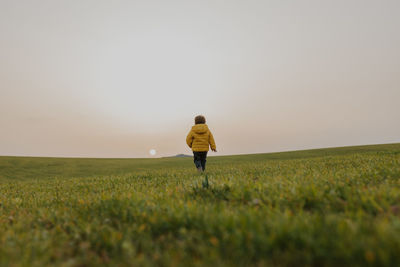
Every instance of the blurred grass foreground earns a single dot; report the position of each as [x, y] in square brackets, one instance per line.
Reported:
[323, 207]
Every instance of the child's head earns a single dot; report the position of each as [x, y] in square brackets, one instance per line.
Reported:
[199, 119]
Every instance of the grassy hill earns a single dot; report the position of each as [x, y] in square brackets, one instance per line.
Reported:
[336, 206]
[22, 168]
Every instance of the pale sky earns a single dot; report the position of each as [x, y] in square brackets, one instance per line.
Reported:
[119, 78]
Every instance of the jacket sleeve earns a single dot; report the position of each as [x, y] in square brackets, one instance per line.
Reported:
[212, 141]
[189, 139]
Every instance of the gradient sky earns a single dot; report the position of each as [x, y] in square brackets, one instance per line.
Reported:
[118, 78]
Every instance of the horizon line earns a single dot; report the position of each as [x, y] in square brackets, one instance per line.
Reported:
[239, 154]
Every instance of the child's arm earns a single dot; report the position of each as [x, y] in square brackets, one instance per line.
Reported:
[189, 139]
[212, 142]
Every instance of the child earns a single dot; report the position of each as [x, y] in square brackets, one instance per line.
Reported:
[199, 139]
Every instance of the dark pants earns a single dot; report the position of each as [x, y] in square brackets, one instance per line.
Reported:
[200, 159]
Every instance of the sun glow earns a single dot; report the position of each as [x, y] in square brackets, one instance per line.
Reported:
[153, 152]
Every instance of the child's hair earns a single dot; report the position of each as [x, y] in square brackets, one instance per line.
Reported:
[199, 119]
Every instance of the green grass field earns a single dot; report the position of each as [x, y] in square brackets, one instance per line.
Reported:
[325, 207]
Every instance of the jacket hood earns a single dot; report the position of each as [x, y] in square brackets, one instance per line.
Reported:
[200, 128]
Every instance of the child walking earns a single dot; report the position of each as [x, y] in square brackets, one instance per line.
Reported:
[199, 140]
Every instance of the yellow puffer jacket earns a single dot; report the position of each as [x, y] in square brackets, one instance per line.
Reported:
[200, 138]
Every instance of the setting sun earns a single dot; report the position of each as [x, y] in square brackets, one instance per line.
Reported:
[152, 152]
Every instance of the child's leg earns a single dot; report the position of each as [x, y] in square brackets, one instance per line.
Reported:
[197, 159]
[204, 160]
